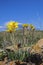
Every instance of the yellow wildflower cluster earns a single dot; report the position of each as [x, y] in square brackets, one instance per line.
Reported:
[25, 25]
[11, 26]
[29, 25]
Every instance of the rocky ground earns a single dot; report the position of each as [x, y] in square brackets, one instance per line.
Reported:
[6, 62]
[13, 63]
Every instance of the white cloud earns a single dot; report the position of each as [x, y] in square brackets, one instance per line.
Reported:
[20, 23]
[1, 26]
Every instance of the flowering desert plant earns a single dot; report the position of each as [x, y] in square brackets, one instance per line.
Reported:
[25, 28]
[31, 31]
[11, 28]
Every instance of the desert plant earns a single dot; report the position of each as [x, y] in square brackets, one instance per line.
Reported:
[25, 28]
[11, 28]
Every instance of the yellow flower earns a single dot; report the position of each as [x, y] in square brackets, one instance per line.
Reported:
[31, 26]
[25, 25]
[12, 25]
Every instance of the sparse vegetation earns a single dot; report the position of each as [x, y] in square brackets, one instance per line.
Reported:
[25, 37]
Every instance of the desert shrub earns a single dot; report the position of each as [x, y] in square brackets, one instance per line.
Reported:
[18, 55]
[2, 55]
[11, 55]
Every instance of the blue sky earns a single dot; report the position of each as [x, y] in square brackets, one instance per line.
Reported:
[23, 11]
